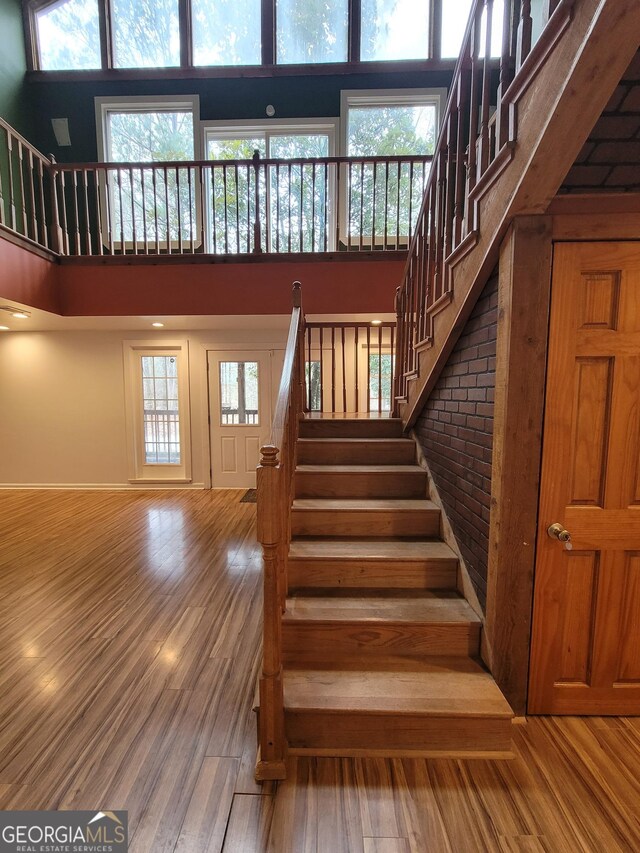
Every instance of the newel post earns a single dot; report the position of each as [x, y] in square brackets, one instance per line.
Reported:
[257, 235]
[272, 744]
[57, 241]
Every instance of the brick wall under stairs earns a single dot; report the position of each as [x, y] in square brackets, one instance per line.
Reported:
[381, 652]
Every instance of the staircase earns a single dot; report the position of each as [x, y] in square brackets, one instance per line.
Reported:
[380, 652]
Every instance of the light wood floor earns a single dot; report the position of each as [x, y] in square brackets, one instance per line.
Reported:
[128, 656]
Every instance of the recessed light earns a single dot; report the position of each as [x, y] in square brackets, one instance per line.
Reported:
[4, 329]
[376, 322]
[19, 313]
[158, 325]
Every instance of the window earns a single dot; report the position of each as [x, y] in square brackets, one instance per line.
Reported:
[239, 402]
[380, 377]
[68, 35]
[314, 386]
[157, 406]
[293, 200]
[161, 412]
[392, 122]
[72, 35]
[146, 33]
[226, 32]
[455, 15]
[311, 32]
[139, 203]
[394, 29]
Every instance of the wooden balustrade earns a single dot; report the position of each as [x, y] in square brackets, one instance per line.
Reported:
[349, 367]
[23, 190]
[275, 482]
[226, 207]
[477, 135]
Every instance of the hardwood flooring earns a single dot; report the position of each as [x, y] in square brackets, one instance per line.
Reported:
[128, 656]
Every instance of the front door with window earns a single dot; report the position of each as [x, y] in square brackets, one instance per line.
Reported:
[240, 414]
[586, 623]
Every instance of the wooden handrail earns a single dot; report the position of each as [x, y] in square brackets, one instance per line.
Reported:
[275, 489]
[24, 179]
[263, 161]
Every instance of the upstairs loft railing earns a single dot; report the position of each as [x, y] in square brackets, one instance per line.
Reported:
[25, 181]
[477, 136]
[224, 207]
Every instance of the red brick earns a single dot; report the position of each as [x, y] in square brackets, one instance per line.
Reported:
[624, 176]
[632, 102]
[627, 151]
[587, 176]
[616, 127]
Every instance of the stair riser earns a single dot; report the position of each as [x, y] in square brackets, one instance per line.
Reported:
[315, 642]
[363, 523]
[373, 484]
[372, 574]
[359, 428]
[401, 452]
[340, 733]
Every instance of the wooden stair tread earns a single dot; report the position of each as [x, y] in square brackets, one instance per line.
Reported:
[431, 609]
[368, 504]
[370, 549]
[360, 469]
[376, 442]
[439, 687]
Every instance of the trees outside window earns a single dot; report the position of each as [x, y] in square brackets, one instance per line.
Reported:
[292, 202]
[387, 197]
[394, 29]
[312, 31]
[146, 33]
[226, 32]
[140, 202]
[68, 35]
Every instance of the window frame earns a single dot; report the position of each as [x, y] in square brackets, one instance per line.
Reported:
[388, 98]
[239, 128]
[143, 103]
[139, 470]
[268, 62]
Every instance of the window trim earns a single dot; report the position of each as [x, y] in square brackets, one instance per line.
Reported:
[144, 103]
[139, 470]
[140, 104]
[271, 127]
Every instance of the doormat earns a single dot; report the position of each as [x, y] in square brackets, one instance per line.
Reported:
[249, 497]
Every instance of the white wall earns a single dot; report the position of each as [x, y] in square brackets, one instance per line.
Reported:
[62, 404]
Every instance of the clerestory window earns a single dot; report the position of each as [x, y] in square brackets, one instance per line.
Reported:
[85, 35]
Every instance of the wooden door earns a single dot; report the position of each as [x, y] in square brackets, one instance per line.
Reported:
[241, 391]
[585, 655]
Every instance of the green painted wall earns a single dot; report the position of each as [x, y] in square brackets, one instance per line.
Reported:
[13, 107]
[220, 98]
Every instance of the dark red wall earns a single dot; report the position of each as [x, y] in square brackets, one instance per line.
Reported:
[455, 431]
[27, 278]
[99, 289]
[328, 287]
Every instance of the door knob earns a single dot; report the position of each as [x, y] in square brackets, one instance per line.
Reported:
[557, 531]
